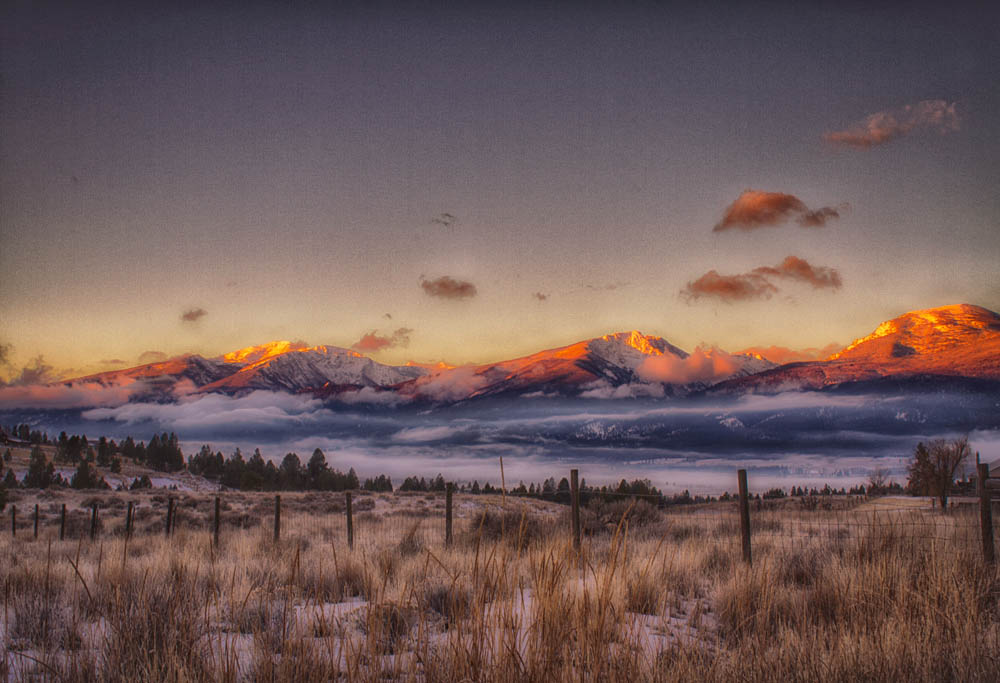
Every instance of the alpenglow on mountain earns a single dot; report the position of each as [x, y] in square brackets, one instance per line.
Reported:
[960, 341]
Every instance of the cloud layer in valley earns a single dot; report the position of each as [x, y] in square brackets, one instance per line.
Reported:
[883, 126]
[758, 283]
[446, 287]
[755, 209]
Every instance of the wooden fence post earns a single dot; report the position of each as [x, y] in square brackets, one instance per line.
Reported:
[128, 518]
[745, 516]
[449, 492]
[986, 514]
[13, 520]
[170, 515]
[93, 522]
[62, 522]
[218, 521]
[350, 523]
[36, 521]
[277, 518]
[574, 485]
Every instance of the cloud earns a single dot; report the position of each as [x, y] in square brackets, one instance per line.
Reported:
[447, 287]
[147, 357]
[782, 354]
[729, 287]
[755, 209]
[113, 361]
[193, 315]
[65, 396]
[702, 365]
[795, 268]
[610, 287]
[602, 389]
[757, 284]
[540, 296]
[444, 219]
[258, 410]
[883, 126]
[371, 396]
[453, 384]
[35, 372]
[819, 217]
[387, 316]
[371, 342]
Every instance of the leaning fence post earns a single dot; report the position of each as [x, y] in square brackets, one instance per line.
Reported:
[448, 493]
[350, 523]
[277, 518]
[170, 515]
[218, 514]
[93, 521]
[574, 484]
[62, 522]
[986, 514]
[744, 516]
[36, 521]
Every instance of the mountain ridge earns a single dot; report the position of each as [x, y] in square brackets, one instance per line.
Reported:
[959, 340]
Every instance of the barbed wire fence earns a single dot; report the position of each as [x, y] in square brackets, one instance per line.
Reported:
[409, 521]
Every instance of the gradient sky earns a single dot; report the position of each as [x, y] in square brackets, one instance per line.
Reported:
[281, 170]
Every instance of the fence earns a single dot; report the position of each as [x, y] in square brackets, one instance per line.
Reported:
[427, 519]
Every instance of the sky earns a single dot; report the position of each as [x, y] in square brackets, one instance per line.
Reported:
[480, 183]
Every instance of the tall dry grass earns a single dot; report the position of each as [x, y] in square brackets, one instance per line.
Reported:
[832, 595]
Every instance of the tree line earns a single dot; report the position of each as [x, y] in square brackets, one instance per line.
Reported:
[931, 471]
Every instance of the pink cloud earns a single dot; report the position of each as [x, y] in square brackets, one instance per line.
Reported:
[883, 126]
[372, 342]
[755, 209]
[757, 284]
[729, 287]
[796, 268]
[703, 365]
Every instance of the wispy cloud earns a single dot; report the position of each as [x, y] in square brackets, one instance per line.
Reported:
[35, 372]
[758, 283]
[883, 126]
[755, 209]
[64, 396]
[147, 357]
[609, 287]
[446, 287]
[193, 315]
[783, 354]
[445, 220]
[373, 342]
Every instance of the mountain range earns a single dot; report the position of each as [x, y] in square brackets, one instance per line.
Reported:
[959, 341]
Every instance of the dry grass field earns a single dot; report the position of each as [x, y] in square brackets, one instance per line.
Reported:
[851, 591]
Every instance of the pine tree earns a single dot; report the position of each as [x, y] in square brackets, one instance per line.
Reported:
[41, 473]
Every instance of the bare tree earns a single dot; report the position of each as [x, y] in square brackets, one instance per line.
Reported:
[877, 481]
[932, 470]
